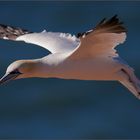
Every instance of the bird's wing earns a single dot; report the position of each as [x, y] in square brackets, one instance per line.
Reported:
[54, 42]
[101, 40]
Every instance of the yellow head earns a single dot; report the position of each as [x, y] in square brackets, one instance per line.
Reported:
[20, 69]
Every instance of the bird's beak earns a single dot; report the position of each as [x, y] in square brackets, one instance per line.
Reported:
[8, 77]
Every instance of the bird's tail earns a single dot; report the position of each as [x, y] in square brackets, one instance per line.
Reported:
[130, 81]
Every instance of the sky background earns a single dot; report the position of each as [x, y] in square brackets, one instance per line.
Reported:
[56, 108]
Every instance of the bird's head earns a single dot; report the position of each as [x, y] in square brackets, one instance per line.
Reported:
[19, 69]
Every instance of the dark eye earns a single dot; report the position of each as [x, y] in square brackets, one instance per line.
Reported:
[15, 72]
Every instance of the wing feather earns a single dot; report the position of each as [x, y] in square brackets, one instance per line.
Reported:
[11, 33]
[102, 40]
[54, 42]
[99, 41]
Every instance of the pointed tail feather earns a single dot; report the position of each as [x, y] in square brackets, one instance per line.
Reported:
[130, 81]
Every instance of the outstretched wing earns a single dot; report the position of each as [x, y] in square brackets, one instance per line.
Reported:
[101, 40]
[54, 42]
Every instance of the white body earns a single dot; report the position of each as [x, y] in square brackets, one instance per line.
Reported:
[91, 56]
[86, 69]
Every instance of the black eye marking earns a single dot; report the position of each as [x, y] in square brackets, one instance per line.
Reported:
[15, 72]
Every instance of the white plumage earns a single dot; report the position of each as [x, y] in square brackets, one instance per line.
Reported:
[88, 56]
[54, 42]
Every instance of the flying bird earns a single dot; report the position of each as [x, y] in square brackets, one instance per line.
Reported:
[89, 55]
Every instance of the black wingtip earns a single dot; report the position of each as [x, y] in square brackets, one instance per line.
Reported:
[112, 25]
[115, 16]
[102, 21]
[10, 32]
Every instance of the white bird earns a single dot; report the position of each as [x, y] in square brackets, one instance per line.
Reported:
[88, 56]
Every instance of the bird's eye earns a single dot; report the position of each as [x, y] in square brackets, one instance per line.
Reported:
[15, 72]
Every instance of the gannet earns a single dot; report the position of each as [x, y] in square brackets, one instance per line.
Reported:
[90, 55]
